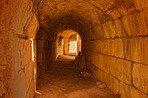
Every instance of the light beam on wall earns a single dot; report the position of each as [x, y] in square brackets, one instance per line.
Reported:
[34, 72]
[32, 50]
[77, 37]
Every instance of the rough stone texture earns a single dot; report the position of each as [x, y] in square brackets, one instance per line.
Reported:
[110, 81]
[136, 49]
[109, 30]
[114, 33]
[105, 63]
[2, 89]
[140, 77]
[17, 21]
[127, 91]
[20, 89]
[123, 70]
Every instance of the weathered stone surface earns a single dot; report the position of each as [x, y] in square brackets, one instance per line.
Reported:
[19, 91]
[119, 48]
[119, 28]
[98, 74]
[27, 52]
[106, 63]
[99, 22]
[115, 14]
[113, 47]
[32, 27]
[122, 11]
[95, 45]
[109, 30]
[127, 91]
[137, 94]
[139, 5]
[124, 90]
[96, 32]
[140, 77]
[111, 82]
[123, 70]
[29, 73]
[108, 47]
[31, 90]
[136, 49]
[2, 89]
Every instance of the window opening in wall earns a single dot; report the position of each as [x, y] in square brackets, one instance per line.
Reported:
[68, 44]
[73, 47]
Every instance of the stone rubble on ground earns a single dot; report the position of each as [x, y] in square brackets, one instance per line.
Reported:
[101, 85]
[86, 74]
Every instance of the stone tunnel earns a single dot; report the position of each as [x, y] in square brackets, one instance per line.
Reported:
[114, 36]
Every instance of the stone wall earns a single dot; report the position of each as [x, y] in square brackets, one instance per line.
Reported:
[114, 41]
[120, 59]
[18, 23]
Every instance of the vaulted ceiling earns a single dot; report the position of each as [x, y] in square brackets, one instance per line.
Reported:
[83, 16]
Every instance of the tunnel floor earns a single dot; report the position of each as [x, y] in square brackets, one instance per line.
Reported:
[63, 80]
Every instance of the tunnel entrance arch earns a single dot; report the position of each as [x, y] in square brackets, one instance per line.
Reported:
[56, 44]
[68, 43]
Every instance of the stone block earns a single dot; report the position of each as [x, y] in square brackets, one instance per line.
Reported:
[3, 59]
[123, 70]
[109, 30]
[135, 24]
[2, 89]
[137, 94]
[32, 26]
[128, 91]
[113, 47]
[108, 47]
[29, 73]
[21, 11]
[120, 32]
[124, 90]
[123, 11]
[140, 77]
[142, 22]
[4, 46]
[18, 86]
[31, 90]
[115, 14]
[98, 74]
[118, 48]
[27, 52]
[105, 63]
[95, 45]
[108, 64]
[97, 60]
[97, 32]
[136, 49]
[140, 4]
[111, 82]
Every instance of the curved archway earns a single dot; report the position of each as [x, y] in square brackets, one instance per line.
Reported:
[63, 40]
[114, 35]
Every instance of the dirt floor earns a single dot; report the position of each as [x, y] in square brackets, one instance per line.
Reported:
[63, 80]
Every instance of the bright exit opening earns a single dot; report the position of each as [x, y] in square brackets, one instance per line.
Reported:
[73, 47]
[68, 43]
